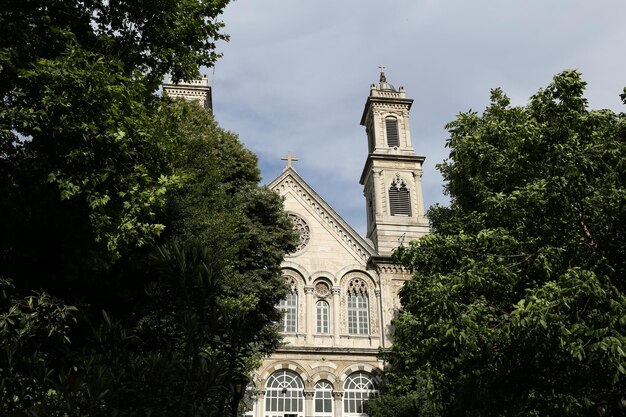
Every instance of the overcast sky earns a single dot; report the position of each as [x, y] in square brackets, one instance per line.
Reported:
[296, 73]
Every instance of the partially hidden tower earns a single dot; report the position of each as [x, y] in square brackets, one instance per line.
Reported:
[392, 176]
[197, 90]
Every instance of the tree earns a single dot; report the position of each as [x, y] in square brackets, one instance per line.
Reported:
[517, 305]
[131, 220]
[77, 82]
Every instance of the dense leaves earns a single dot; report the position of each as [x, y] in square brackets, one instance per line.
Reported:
[139, 258]
[517, 306]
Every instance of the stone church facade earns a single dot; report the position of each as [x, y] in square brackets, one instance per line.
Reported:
[343, 286]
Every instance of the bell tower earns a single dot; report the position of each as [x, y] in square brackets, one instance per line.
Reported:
[197, 90]
[392, 176]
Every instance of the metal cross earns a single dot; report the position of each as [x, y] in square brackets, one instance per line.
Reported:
[289, 158]
[383, 79]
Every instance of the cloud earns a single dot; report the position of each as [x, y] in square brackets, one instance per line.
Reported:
[296, 74]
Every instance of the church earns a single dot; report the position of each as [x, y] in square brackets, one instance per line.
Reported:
[344, 286]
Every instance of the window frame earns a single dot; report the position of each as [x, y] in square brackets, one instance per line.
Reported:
[392, 132]
[322, 323]
[358, 313]
[357, 389]
[324, 389]
[289, 320]
[284, 391]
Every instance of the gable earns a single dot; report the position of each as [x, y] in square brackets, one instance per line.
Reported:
[332, 243]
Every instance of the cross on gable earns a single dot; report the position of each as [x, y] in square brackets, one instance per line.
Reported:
[289, 158]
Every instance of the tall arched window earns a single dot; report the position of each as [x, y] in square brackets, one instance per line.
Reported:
[323, 399]
[358, 388]
[399, 198]
[358, 308]
[289, 305]
[284, 393]
[391, 124]
[322, 316]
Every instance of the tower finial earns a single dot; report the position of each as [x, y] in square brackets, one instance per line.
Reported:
[383, 79]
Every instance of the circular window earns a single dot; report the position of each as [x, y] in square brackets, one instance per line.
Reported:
[321, 289]
[302, 228]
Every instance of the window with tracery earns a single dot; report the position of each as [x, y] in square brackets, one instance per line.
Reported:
[358, 388]
[302, 229]
[323, 399]
[358, 308]
[391, 124]
[323, 320]
[284, 393]
[399, 198]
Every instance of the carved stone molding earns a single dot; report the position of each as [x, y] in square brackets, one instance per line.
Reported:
[339, 229]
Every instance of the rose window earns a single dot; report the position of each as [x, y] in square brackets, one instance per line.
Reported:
[302, 228]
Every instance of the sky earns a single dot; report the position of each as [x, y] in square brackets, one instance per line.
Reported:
[295, 74]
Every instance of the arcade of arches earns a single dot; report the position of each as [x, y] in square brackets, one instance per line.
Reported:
[285, 395]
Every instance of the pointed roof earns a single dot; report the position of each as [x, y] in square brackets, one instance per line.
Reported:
[331, 219]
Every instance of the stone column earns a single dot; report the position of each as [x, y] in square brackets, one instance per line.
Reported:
[381, 323]
[308, 402]
[380, 191]
[338, 403]
[259, 404]
[417, 177]
[309, 308]
[336, 311]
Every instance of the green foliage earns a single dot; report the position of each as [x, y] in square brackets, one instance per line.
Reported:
[77, 82]
[143, 257]
[33, 337]
[518, 299]
[163, 329]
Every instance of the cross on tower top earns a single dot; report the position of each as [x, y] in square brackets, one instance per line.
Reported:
[289, 158]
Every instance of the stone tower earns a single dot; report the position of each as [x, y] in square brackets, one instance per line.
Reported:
[392, 176]
[195, 90]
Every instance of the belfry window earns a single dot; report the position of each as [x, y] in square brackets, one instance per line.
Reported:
[399, 198]
[290, 306]
[391, 124]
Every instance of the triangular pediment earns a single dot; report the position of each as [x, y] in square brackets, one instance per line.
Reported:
[331, 237]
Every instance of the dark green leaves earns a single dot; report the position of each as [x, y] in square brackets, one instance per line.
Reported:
[517, 303]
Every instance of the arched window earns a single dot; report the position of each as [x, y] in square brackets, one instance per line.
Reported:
[290, 306]
[399, 198]
[391, 124]
[284, 393]
[322, 317]
[358, 388]
[323, 399]
[358, 308]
